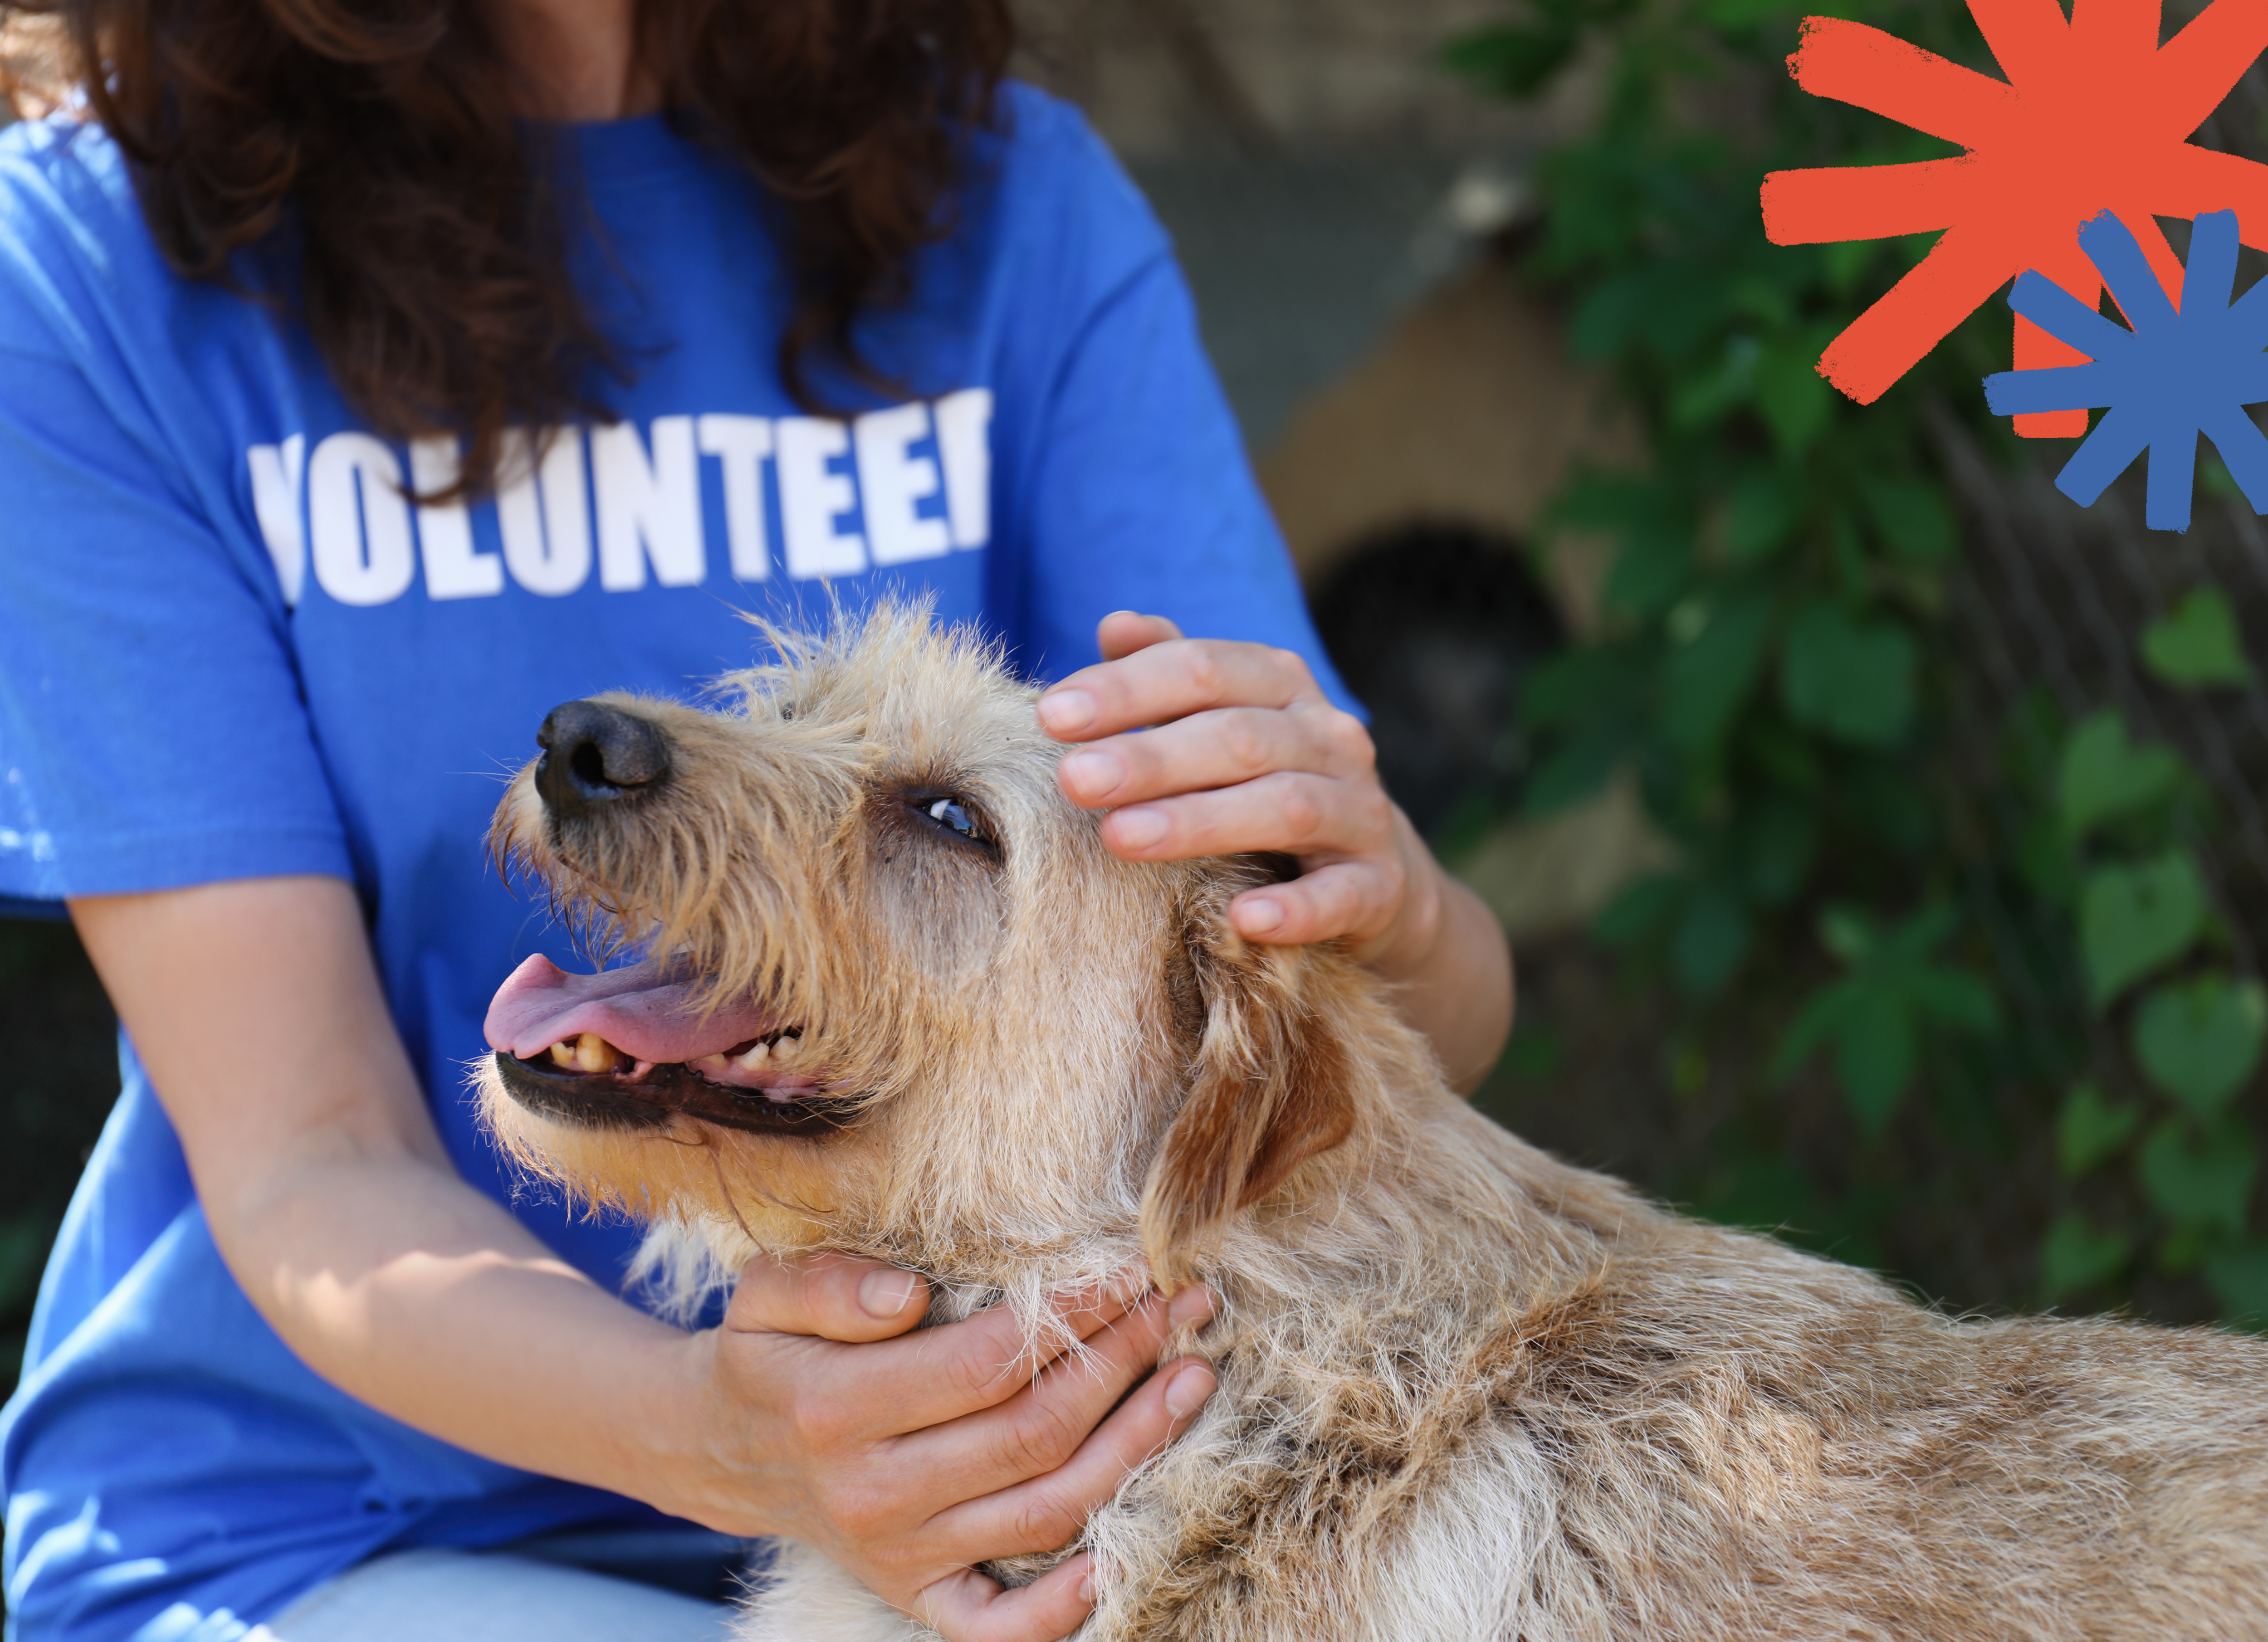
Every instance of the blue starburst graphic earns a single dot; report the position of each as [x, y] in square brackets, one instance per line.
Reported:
[2174, 376]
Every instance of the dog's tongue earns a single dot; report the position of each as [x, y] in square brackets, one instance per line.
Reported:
[641, 1011]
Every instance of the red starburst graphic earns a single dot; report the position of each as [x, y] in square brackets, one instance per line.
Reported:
[2093, 116]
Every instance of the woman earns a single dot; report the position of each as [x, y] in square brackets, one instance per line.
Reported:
[378, 374]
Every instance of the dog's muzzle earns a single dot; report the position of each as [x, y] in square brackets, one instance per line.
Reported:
[594, 755]
[658, 1094]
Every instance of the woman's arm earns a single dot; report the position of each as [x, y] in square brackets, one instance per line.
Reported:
[257, 1010]
[1248, 754]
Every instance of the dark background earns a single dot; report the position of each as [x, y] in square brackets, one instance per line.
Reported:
[61, 1073]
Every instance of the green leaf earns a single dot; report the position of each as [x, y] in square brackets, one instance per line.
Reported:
[1845, 262]
[1641, 909]
[1875, 1055]
[2103, 776]
[1913, 518]
[1581, 685]
[2135, 920]
[1888, 803]
[1926, 931]
[1573, 770]
[1532, 1052]
[1761, 514]
[1612, 313]
[2049, 860]
[1848, 933]
[1713, 938]
[1651, 569]
[1685, 307]
[2239, 1277]
[1794, 400]
[1703, 400]
[1821, 1016]
[1776, 846]
[1954, 998]
[1735, 14]
[2090, 1128]
[1852, 680]
[2196, 645]
[2200, 1040]
[1706, 679]
[2076, 1256]
[1513, 63]
[2199, 1180]
[1764, 1193]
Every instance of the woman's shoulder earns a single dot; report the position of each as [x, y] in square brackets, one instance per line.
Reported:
[1047, 147]
[1058, 199]
[73, 241]
[63, 153]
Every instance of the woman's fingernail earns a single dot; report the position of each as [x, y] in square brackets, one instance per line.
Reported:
[1138, 829]
[1190, 1308]
[884, 1294]
[1063, 711]
[1094, 776]
[1086, 1588]
[1186, 1391]
[1259, 918]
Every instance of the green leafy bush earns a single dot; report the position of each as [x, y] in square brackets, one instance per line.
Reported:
[1774, 666]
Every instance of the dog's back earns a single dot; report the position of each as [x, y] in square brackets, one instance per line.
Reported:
[1565, 1414]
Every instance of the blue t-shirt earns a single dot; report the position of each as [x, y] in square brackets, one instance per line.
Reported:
[230, 648]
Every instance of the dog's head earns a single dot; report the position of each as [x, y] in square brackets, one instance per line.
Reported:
[897, 996]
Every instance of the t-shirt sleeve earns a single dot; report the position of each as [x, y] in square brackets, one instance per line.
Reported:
[1139, 495]
[152, 731]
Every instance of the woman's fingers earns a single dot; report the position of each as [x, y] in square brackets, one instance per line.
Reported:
[1049, 1510]
[1017, 1478]
[890, 1386]
[1045, 1423]
[1291, 812]
[967, 1607]
[1123, 631]
[1171, 679]
[830, 1296]
[1348, 897]
[1215, 749]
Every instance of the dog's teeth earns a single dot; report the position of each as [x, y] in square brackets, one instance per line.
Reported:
[563, 1053]
[594, 1053]
[785, 1051]
[759, 1053]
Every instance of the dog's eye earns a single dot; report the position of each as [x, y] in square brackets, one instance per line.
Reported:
[952, 814]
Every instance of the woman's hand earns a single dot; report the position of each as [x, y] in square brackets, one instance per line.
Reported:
[1242, 752]
[909, 1459]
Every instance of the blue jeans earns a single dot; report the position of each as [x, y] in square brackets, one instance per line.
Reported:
[548, 1591]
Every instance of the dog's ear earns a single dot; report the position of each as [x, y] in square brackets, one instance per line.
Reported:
[1271, 1083]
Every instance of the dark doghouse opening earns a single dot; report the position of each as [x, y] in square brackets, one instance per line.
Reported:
[1435, 627]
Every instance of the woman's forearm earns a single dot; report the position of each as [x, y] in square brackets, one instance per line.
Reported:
[257, 1012]
[1462, 996]
[1452, 965]
[408, 1289]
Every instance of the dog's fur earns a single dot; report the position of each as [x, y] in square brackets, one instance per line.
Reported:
[1466, 1390]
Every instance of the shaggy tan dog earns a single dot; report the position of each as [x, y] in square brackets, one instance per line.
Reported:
[912, 1009]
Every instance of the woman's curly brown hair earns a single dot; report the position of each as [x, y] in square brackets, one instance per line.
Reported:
[372, 144]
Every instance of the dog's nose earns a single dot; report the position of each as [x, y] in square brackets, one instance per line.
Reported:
[594, 754]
